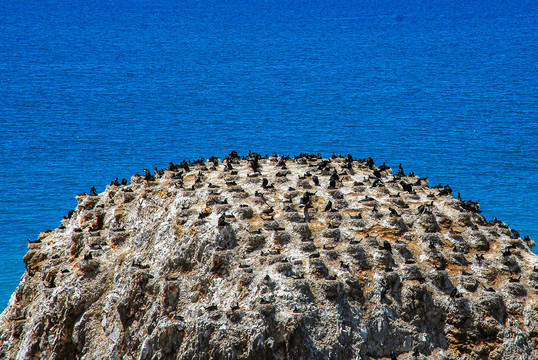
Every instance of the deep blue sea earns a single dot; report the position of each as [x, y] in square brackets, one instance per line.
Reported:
[93, 90]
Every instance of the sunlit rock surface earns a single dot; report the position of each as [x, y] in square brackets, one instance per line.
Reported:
[275, 258]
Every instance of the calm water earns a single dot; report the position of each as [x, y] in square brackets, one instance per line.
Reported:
[91, 90]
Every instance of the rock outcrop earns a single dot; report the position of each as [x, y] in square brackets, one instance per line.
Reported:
[275, 258]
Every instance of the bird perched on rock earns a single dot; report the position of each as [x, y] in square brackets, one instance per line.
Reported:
[387, 246]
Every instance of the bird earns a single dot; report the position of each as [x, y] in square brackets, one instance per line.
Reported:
[514, 280]
[328, 206]
[306, 214]
[222, 221]
[147, 176]
[393, 212]
[254, 164]
[387, 246]
[407, 187]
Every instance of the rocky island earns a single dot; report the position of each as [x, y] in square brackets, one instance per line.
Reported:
[253, 257]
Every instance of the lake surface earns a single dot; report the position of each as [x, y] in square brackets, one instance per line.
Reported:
[93, 90]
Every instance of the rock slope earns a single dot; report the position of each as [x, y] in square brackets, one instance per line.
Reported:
[275, 258]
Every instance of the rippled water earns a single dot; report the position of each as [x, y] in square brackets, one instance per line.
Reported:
[90, 91]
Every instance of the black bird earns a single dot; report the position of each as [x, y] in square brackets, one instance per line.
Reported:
[420, 180]
[332, 184]
[38, 241]
[514, 280]
[185, 165]
[159, 172]
[124, 181]
[335, 176]
[387, 246]
[69, 214]
[172, 166]
[93, 191]
[148, 175]
[322, 164]
[445, 191]
[329, 206]
[315, 179]
[400, 171]
[305, 212]
[384, 167]
[425, 209]
[305, 199]
[377, 173]
[406, 186]
[393, 212]
[255, 165]
[228, 165]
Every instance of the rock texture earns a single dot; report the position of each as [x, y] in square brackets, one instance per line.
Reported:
[275, 258]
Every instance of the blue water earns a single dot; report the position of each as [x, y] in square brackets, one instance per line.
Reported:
[93, 90]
